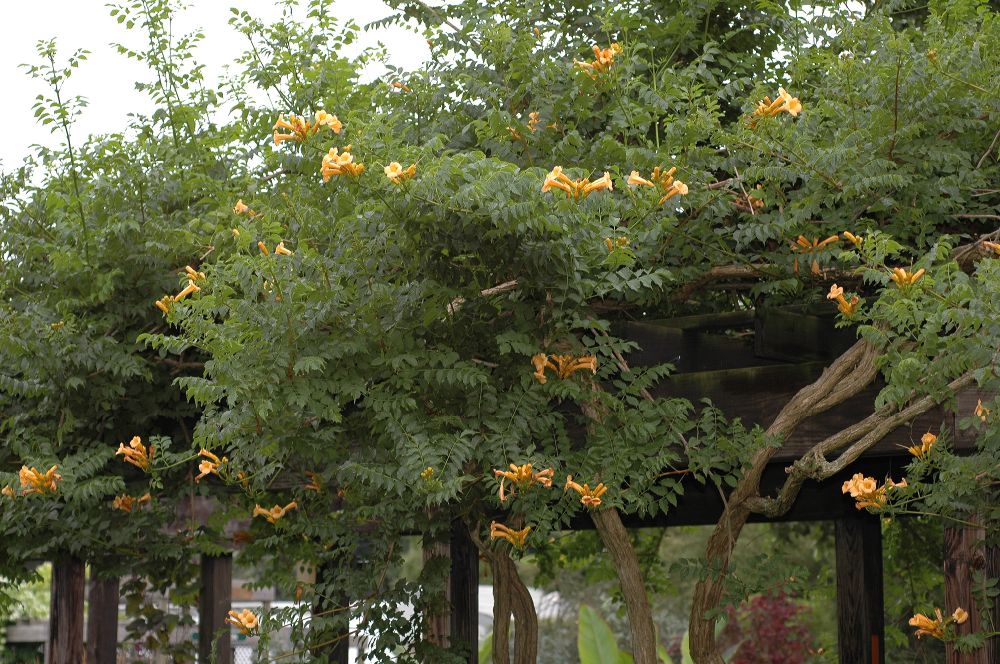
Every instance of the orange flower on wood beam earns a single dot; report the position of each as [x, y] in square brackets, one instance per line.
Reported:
[981, 411]
[924, 448]
[314, 483]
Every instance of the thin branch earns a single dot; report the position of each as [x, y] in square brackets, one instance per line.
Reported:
[986, 154]
[505, 287]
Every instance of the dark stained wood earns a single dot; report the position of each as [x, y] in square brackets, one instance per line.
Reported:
[214, 604]
[964, 556]
[794, 334]
[860, 609]
[66, 611]
[327, 644]
[464, 592]
[727, 370]
[102, 620]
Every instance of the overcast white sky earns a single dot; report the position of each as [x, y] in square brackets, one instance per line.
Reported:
[107, 79]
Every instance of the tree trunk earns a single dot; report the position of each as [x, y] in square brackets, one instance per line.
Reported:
[66, 612]
[102, 620]
[965, 554]
[619, 546]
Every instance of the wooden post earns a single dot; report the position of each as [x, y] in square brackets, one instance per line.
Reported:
[102, 620]
[464, 591]
[860, 609]
[329, 645]
[214, 603]
[965, 554]
[66, 612]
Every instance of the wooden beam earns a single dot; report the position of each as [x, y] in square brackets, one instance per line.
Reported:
[860, 607]
[66, 611]
[102, 620]
[214, 604]
[965, 554]
[464, 591]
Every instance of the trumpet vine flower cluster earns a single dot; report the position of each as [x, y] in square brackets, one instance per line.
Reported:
[575, 189]
[867, 493]
[127, 503]
[603, 60]
[936, 627]
[563, 365]
[922, 450]
[590, 498]
[517, 538]
[844, 306]
[664, 180]
[280, 249]
[246, 621]
[615, 243]
[164, 303]
[522, 477]
[804, 246]
[35, 481]
[300, 129]
[397, 174]
[340, 163]
[137, 454]
[784, 103]
[210, 465]
[903, 278]
[272, 515]
[243, 208]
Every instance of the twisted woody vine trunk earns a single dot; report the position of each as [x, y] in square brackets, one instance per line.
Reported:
[846, 377]
[640, 617]
[510, 595]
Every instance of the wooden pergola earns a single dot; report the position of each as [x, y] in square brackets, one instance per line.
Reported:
[749, 364]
